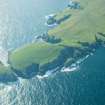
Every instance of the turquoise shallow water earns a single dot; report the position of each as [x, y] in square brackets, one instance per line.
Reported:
[84, 86]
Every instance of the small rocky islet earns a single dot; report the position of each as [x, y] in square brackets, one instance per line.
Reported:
[79, 31]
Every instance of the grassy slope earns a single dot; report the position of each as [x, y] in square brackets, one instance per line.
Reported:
[39, 53]
[64, 13]
[82, 26]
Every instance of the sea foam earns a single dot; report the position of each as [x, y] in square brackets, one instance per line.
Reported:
[70, 69]
[4, 56]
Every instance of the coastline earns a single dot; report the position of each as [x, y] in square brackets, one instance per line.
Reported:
[61, 47]
[12, 75]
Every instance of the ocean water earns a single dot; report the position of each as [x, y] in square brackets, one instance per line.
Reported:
[82, 85]
[22, 20]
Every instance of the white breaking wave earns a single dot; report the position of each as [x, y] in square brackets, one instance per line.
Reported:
[70, 69]
[74, 66]
[49, 16]
[82, 59]
[6, 89]
[52, 25]
[4, 56]
[47, 74]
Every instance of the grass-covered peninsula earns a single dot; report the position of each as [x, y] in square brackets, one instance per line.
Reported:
[82, 31]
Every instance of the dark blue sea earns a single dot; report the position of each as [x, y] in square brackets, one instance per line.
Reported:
[20, 22]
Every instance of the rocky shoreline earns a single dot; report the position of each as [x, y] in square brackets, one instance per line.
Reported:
[62, 60]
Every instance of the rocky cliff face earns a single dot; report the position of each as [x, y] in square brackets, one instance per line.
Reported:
[70, 53]
[12, 74]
